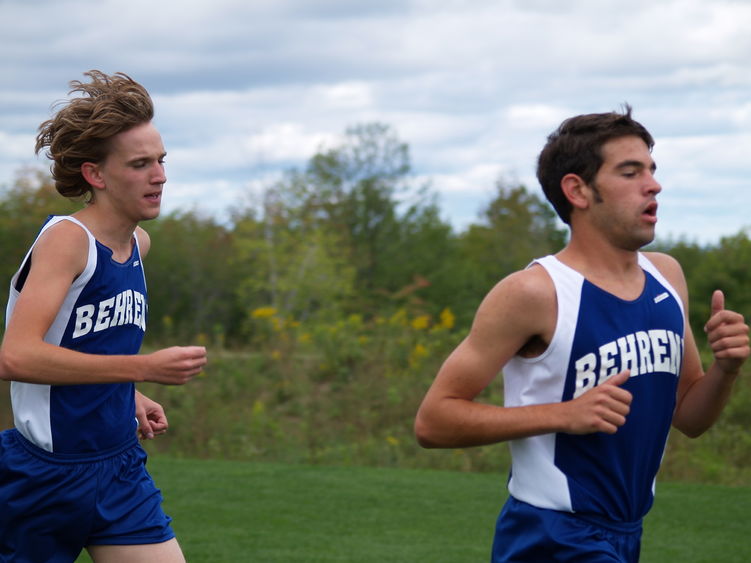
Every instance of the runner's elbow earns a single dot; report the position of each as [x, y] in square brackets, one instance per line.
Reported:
[691, 431]
[11, 364]
[425, 433]
[6, 365]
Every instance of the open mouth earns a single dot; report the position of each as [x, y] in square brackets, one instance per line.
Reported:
[154, 196]
[651, 211]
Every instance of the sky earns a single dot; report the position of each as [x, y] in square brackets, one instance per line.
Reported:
[248, 89]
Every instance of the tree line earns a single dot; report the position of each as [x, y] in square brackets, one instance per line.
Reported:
[351, 232]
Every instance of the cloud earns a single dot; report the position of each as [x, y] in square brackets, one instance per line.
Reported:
[245, 90]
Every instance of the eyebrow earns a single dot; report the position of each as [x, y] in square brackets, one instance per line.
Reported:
[636, 164]
[147, 157]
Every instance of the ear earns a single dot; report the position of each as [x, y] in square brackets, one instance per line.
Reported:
[576, 191]
[92, 174]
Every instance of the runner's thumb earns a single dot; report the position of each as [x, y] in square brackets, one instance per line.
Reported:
[718, 301]
[619, 378]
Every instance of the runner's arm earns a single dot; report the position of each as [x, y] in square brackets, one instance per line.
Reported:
[703, 395]
[519, 308]
[59, 256]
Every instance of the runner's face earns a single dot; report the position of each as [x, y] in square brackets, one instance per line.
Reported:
[625, 204]
[133, 172]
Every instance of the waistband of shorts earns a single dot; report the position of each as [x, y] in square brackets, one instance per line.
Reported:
[598, 520]
[72, 458]
[613, 525]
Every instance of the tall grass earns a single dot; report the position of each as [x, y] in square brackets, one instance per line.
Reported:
[345, 392]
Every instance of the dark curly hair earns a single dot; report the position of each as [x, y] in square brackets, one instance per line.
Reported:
[576, 148]
[81, 129]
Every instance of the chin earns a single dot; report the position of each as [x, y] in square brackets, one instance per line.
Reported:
[153, 214]
[637, 241]
[645, 241]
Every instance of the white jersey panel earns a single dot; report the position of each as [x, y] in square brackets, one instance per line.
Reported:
[31, 401]
[530, 381]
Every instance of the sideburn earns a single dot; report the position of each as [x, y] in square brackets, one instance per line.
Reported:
[596, 190]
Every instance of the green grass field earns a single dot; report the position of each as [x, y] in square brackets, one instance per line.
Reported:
[241, 511]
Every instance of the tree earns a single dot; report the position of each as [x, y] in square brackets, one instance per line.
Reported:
[191, 280]
[356, 186]
[515, 227]
[726, 267]
[392, 227]
[290, 260]
[353, 221]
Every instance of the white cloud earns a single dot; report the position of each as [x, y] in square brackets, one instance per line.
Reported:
[244, 90]
[534, 116]
[278, 145]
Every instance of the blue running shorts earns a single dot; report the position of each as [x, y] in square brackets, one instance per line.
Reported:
[525, 533]
[54, 505]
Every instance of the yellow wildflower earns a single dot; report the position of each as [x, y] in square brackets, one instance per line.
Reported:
[447, 318]
[421, 322]
[263, 312]
[417, 353]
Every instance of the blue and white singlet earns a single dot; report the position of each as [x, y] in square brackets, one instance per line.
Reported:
[104, 312]
[598, 335]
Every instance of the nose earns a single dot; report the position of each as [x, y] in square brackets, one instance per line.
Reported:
[158, 175]
[653, 186]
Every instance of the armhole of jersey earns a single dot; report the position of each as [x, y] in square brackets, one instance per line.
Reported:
[567, 283]
[650, 267]
[139, 257]
[19, 279]
[91, 262]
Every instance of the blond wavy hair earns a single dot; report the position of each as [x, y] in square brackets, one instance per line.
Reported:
[83, 126]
